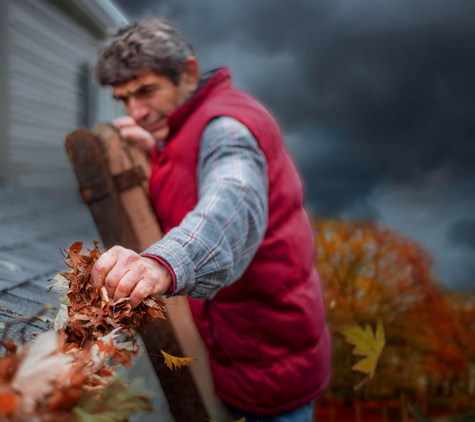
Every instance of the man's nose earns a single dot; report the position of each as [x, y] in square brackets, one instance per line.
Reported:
[137, 109]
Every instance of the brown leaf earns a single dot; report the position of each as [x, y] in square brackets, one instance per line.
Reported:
[74, 257]
[8, 404]
[155, 313]
[123, 357]
[8, 367]
[9, 345]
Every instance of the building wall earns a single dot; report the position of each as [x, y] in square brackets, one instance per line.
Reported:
[4, 170]
[50, 58]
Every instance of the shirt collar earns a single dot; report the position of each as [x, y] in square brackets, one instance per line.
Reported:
[209, 82]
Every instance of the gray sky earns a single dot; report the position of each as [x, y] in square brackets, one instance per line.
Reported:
[375, 98]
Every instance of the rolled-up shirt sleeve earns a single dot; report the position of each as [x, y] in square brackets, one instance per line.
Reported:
[217, 240]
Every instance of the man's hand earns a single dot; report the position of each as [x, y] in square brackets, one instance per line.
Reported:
[125, 273]
[135, 134]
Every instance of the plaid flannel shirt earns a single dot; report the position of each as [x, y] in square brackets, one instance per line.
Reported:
[216, 241]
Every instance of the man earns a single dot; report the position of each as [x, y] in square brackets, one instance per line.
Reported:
[237, 239]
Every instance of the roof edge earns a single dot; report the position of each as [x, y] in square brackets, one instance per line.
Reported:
[99, 16]
[105, 12]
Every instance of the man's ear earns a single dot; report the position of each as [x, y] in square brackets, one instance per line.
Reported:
[191, 75]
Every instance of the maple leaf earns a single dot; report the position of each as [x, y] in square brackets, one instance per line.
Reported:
[367, 344]
[174, 362]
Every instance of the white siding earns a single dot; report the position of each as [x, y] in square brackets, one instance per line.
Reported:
[4, 120]
[47, 52]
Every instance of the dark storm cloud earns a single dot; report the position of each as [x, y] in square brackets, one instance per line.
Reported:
[332, 166]
[463, 233]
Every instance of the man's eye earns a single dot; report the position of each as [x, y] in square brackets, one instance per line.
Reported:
[144, 92]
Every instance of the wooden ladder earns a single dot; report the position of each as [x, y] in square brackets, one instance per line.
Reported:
[113, 180]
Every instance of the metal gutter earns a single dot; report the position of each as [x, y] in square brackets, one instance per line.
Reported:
[99, 16]
[112, 11]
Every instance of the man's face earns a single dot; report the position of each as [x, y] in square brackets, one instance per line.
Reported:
[150, 98]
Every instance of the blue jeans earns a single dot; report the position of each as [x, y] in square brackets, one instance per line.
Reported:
[301, 414]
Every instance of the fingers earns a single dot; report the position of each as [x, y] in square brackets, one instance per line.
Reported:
[126, 274]
[102, 267]
[121, 283]
[122, 277]
[133, 134]
[124, 121]
[142, 289]
[113, 280]
[153, 280]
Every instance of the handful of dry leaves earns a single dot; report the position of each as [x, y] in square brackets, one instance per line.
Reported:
[91, 314]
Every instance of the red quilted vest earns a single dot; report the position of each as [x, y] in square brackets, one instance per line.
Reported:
[268, 342]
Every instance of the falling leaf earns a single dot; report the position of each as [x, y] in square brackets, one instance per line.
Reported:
[367, 344]
[174, 362]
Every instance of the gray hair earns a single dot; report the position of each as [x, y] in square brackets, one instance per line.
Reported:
[147, 45]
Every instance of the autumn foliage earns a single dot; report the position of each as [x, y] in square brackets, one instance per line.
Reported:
[372, 274]
[49, 381]
[67, 375]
